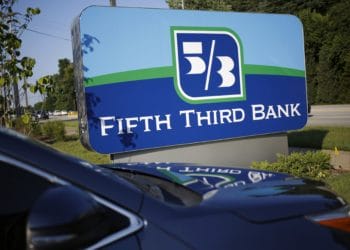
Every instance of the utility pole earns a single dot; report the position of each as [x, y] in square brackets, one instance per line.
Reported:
[113, 3]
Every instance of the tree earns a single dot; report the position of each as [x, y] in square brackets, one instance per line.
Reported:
[200, 4]
[12, 67]
[38, 106]
[65, 83]
[44, 86]
[315, 32]
[333, 71]
[62, 96]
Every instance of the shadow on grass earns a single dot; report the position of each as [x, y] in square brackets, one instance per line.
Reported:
[49, 140]
[311, 138]
[71, 137]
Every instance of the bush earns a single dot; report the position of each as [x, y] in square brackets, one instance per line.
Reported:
[54, 130]
[26, 125]
[315, 165]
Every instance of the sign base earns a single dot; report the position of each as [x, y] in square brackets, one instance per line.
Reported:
[235, 152]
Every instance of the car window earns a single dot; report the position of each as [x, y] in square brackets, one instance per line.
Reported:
[22, 187]
[19, 189]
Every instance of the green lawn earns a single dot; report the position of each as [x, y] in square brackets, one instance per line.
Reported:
[74, 147]
[71, 124]
[321, 138]
[340, 183]
[71, 127]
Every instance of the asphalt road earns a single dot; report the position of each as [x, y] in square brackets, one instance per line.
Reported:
[61, 118]
[329, 115]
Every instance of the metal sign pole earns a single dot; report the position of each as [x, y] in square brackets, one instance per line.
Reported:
[113, 3]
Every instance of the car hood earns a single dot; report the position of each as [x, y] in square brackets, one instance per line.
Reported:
[255, 195]
[200, 179]
[276, 200]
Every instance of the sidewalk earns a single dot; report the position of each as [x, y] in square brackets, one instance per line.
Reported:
[339, 159]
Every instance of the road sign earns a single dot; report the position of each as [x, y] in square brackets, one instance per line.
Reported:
[151, 78]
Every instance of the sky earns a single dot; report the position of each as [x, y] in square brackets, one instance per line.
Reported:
[123, 45]
[49, 37]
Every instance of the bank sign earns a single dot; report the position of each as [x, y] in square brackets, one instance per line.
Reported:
[151, 78]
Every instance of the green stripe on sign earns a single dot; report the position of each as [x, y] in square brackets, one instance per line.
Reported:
[250, 69]
[133, 75]
[169, 71]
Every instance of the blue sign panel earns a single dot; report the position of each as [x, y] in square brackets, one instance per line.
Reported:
[157, 78]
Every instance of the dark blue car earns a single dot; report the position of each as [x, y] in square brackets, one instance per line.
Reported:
[53, 201]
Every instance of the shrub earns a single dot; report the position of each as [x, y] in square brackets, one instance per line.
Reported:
[54, 130]
[26, 125]
[315, 165]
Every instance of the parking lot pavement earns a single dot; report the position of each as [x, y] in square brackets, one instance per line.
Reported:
[61, 118]
[329, 115]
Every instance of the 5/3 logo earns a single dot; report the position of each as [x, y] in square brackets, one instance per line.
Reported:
[208, 65]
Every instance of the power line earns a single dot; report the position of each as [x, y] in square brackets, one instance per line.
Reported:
[50, 35]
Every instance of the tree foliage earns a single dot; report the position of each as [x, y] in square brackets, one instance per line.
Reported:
[327, 35]
[62, 96]
[333, 69]
[13, 67]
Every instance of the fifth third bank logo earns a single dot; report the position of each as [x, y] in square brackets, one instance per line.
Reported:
[208, 65]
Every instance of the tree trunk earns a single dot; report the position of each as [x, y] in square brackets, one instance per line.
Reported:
[16, 98]
[26, 92]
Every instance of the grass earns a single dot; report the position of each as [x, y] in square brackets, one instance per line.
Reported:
[75, 148]
[340, 183]
[71, 124]
[321, 138]
[71, 127]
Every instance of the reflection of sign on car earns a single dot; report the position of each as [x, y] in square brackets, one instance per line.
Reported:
[211, 177]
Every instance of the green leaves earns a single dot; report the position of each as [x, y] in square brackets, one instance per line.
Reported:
[25, 118]
[33, 11]
[223, 5]
[43, 85]
[315, 165]
[12, 66]
[62, 96]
